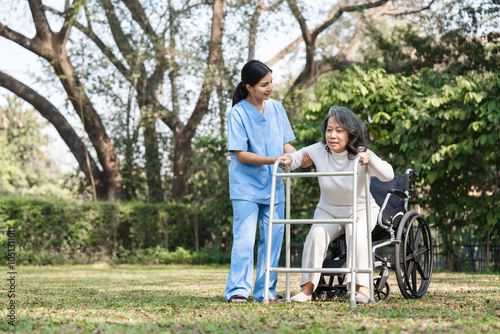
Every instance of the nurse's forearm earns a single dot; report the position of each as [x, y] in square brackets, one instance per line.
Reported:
[287, 148]
[253, 159]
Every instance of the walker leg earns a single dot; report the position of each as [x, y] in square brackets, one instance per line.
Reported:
[270, 237]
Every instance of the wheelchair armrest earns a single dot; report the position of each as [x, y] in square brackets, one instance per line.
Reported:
[398, 194]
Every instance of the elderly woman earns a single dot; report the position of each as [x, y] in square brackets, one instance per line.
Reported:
[345, 138]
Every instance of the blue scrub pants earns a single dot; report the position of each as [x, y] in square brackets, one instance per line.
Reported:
[245, 217]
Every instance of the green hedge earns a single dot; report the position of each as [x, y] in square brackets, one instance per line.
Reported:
[58, 231]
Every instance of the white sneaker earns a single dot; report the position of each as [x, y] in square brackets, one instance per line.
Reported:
[300, 298]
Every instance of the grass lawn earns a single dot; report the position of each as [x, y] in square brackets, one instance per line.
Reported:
[177, 299]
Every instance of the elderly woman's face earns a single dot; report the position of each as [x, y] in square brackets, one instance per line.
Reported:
[336, 137]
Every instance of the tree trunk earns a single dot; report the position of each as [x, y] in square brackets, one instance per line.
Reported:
[184, 134]
[196, 233]
[152, 156]
[487, 254]
[164, 219]
[95, 129]
[182, 149]
[451, 261]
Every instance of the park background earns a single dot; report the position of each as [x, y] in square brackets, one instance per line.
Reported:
[113, 142]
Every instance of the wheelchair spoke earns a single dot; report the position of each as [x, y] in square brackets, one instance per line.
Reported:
[423, 254]
[421, 272]
[409, 266]
[411, 240]
[416, 239]
[380, 292]
[413, 282]
[407, 287]
[380, 295]
[422, 251]
[409, 243]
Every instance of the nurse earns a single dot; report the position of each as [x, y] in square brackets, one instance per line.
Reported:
[258, 133]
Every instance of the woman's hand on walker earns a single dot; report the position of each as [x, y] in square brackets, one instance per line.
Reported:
[364, 158]
[306, 160]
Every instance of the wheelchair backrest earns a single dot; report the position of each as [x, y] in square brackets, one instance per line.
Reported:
[380, 189]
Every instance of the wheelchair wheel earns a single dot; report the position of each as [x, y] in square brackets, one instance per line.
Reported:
[329, 291]
[413, 255]
[380, 293]
[340, 289]
[322, 295]
[319, 296]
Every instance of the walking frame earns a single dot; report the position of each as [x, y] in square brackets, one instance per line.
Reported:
[288, 221]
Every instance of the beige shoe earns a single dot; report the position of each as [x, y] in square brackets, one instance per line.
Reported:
[361, 298]
[300, 298]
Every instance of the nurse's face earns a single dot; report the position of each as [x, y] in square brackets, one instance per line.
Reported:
[336, 137]
[262, 90]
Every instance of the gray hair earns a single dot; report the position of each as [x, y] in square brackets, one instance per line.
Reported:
[353, 125]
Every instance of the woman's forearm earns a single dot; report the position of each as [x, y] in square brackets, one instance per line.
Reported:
[380, 168]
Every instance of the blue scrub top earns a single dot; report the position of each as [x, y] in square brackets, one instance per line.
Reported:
[249, 130]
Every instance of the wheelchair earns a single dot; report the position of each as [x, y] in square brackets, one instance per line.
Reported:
[406, 233]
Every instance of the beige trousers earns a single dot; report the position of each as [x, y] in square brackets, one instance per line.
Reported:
[320, 236]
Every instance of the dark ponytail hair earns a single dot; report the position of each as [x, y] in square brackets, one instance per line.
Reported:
[251, 73]
[353, 125]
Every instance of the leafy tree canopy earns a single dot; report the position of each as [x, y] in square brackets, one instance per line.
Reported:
[456, 36]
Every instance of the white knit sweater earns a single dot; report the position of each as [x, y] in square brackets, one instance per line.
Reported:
[336, 191]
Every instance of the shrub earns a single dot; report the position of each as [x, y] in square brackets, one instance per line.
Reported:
[58, 231]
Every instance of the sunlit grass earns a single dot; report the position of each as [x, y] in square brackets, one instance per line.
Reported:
[143, 299]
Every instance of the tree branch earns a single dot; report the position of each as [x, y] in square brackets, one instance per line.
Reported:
[236, 5]
[336, 14]
[70, 14]
[306, 35]
[254, 23]
[16, 37]
[97, 41]
[139, 16]
[214, 55]
[355, 41]
[273, 6]
[289, 48]
[409, 11]
[50, 112]
[319, 28]
[43, 30]
[120, 38]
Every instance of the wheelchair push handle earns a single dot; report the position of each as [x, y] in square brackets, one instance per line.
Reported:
[412, 174]
[400, 194]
